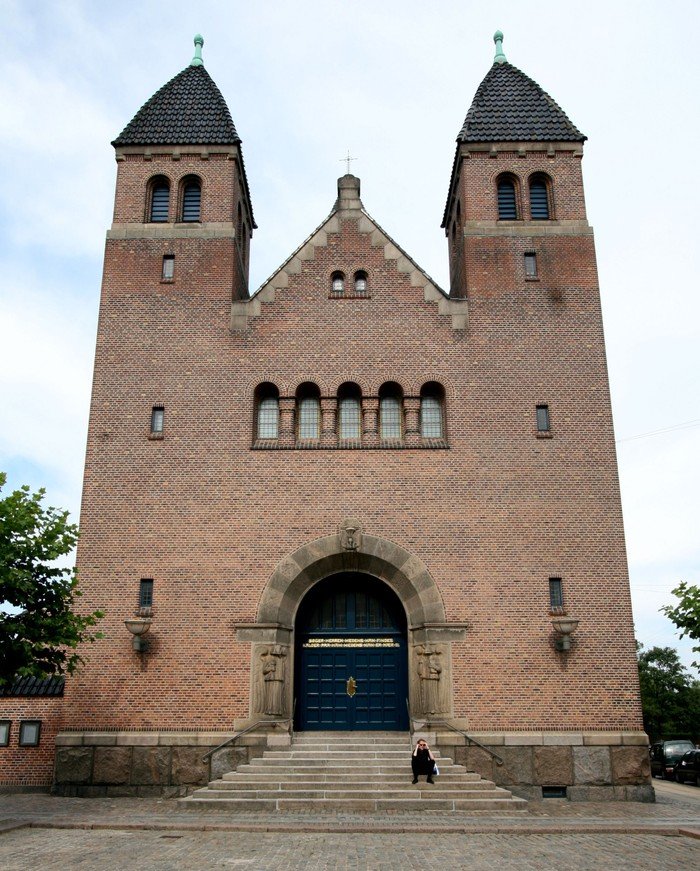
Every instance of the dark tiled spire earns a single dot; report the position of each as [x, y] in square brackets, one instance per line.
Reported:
[188, 110]
[508, 106]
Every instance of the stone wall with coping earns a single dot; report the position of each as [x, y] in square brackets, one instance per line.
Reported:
[94, 764]
[593, 766]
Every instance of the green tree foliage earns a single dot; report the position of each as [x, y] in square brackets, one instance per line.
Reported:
[670, 697]
[686, 614]
[39, 630]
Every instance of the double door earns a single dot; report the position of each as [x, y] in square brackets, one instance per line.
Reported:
[348, 688]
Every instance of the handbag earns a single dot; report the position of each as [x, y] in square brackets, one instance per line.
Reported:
[436, 770]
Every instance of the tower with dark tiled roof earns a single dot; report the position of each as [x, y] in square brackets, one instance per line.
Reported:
[516, 189]
[182, 199]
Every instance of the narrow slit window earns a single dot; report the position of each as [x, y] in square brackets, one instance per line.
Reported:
[556, 594]
[268, 418]
[146, 593]
[157, 419]
[507, 203]
[361, 282]
[542, 414]
[29, 733]
[168, 267]
[539, 200]
[191, 201]
[432, 423]
[309, 418]
[349, 418]
[390, 417]
[160, 202]
[531, 265]
[338, 282]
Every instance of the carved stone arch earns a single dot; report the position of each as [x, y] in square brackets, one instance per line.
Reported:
[404, 572]
[352, 550]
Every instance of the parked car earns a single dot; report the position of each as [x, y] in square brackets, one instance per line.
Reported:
[688, 767]
[665, 754]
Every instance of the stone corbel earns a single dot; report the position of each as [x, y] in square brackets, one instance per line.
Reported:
[263, 633]
[438, 633]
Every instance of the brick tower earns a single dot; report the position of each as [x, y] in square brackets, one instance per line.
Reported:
[351, 497]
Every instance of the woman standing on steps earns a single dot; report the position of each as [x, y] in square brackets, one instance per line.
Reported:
[423, 761]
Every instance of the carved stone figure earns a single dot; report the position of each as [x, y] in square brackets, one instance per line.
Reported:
[273, 671]
[350, 535]
[429, 672]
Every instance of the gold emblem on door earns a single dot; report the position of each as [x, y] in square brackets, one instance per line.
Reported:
[351, 686]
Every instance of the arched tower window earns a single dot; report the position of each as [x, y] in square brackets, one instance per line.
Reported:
[349, 411]
[308, 412]
[390, 411]
[191, 199]
[338, 282]
[432, 411]
[360, 281]
[267, 411]
[539, 197]
[159, 207]
[507, 198]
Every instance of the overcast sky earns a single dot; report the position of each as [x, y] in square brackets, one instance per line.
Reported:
[306, 80]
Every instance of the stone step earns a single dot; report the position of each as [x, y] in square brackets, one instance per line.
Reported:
[209, 794]
[229, 786]
[315, 777]
[368, 767]
[324, 805]
[352, 755]
[330, 772]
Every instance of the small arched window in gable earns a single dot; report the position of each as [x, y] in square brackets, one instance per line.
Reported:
[361, 281]
[268, 411]
[308, 412]
[390, 411]
[160, 200]
[349, 411]
[338, 282]
[507, 199]
[539, 198]
[432, 411]
[191, 200]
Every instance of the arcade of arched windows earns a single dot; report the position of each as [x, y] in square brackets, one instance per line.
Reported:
[348, 419]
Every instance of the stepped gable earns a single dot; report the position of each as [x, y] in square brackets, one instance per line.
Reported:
[509, 106]
[188, 110]
[348, 206]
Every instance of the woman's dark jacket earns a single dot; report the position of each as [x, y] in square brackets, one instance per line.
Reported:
[421, 763]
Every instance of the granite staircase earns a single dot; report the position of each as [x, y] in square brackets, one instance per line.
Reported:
[348, 771]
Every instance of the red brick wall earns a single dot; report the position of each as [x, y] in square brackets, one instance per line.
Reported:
[29, 766]
[493, 517]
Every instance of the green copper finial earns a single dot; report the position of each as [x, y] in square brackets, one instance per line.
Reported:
[197, 59]
[500, 58]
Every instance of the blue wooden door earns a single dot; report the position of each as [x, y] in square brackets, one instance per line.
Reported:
[351, 665]
[375, 700]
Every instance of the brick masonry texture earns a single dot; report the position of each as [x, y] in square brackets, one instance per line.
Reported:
[29, 766]
[492, 511]
[492, 518]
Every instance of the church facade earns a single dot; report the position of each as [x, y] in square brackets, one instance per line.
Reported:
[353, 500]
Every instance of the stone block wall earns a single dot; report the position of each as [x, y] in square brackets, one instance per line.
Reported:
[591, 766]
[146, 763]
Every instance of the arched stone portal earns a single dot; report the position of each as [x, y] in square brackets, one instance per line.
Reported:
[351, 550]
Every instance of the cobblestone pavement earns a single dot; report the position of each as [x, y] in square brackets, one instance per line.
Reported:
[115, 834]
[150, 850]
